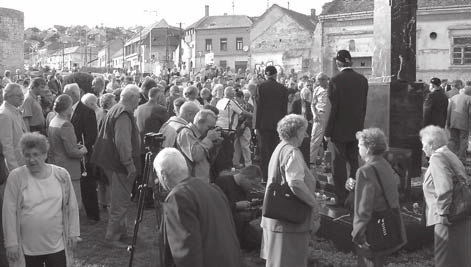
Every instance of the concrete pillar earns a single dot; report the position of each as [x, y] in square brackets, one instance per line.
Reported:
[11, 40]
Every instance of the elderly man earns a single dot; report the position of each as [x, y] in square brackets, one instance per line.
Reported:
[458, 122]
[456, 86]
[151, 115]
[198, 229]
[195, 141]
[320, 107]
[32, 111]
[85, 126]
[98, 86]
[90, 100]
[174, 94]
[117, 151]
[6, 78]
[12, 125]
[435, 105]
[186, 112]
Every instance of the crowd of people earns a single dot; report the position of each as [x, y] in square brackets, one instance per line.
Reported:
[69, 154]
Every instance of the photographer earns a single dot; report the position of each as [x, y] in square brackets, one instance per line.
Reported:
[196, 139]
[237, 189]
[229, 112]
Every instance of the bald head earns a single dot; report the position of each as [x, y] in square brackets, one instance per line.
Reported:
[322, 80]
[73, 90]
[13, 94]
[170, 167]
[188, 111]
[229, 92]
[90, 100]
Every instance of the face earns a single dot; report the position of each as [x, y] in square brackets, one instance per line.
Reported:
[427, 148]
[208, 124]
[300, 135]
[323, 81]
[35, 159]
[362, 150]
[249, 184]
[39, 89]
[16, 98]
[135, 101]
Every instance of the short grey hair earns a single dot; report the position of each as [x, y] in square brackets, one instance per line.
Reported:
[374, 139]
[10, 89]
[88, 99]
[203, 115]
[171, 161]
[129, 91]
[34, 140]
[73, 90]
[106, 100]
[434, 135]
[289, 126]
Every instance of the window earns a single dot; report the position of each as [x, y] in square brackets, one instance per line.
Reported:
[223, 44]
[209, 45]
[239, 43]
[462, 51]
[222, 63]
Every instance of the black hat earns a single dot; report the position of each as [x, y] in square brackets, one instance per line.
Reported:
[435, 81]
[344, 56]
[270, 70]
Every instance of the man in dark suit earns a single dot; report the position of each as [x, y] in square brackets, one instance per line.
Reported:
[197, 228]
[272, 105]
[85, 127]
[348, 93]
[435, 105]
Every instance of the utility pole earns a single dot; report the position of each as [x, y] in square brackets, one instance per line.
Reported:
[150, 37]
[288, 5]
[233, 11]
[180, 48]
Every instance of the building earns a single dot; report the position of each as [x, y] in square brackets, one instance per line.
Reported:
[222, 41]
[443, 37]
[70, 58]
[117, 59]
[105, 54]
[144, 55]
[11, 40]
[283, 38]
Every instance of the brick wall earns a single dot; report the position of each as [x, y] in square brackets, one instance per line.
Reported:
[11, 40]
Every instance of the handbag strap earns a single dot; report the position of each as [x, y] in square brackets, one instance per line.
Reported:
[381, 184]
[278, 164]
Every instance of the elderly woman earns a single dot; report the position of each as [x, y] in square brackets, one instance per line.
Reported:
[369, 196]
[285, 243]
[452, 241]
[218, 93]
[40, 213]
[64, 149]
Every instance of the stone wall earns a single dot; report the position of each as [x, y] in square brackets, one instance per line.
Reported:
[11, 40]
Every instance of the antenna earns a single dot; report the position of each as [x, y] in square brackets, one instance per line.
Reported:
[233, 12]
[288, 4]
[268, 4]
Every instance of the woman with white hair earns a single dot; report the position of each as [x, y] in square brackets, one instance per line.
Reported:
[452, 240]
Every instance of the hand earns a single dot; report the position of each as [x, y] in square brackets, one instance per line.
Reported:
[72, 242]
[12, 253]
[242, 205]
[444, 220]
[327, 139]
[213, 135]
[132, 173]
[83, 150]
[350, 184]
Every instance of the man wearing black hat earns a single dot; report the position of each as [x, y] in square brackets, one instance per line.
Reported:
[348, 91]
[272, 105]
[435, 105]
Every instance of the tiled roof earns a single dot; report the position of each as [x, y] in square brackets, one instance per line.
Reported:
[353, 6]
[221, 22]
[156, 25]
[304, 20]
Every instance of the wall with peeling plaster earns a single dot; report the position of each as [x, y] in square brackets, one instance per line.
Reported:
[11, 40]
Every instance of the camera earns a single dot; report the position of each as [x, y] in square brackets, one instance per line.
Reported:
[226, 133]
[153, 141]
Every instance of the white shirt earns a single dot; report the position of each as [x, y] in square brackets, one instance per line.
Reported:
[41, 216]
[229, 110]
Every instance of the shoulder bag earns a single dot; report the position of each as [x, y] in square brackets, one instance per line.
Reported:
[383, 231]
[460, 207]
[281, 203]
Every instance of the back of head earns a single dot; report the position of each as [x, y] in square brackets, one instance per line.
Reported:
[457, 84]
[107, 100]
[129, 91]
[62, 103]
[10, 89]
[306, 94]
[171, 167]
[90, 100]
[203, 115]
[343, 59]
[73, 90]
[467, 90]
[147, 84]
[37, 82]
[229, 92]
[188, 111]
[251, 172]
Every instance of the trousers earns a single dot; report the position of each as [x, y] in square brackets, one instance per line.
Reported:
[344, 153]
[88, 186]
[317, 135]
[241, 147]
[49, 260]
[459, 142]
[268, 141]
[121, 187]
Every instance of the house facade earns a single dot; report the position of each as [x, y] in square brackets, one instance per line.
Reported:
[285, 39]
[443, 37]
[221, 41]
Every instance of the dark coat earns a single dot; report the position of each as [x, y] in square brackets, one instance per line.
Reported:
[85, 126]
[150, 118]
[272, 104]
[198, 229]
[436, 108]
[348, 93]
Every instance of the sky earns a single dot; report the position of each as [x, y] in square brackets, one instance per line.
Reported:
[45, 14]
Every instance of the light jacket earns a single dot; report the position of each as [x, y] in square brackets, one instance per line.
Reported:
[13, 201]
[11, 130]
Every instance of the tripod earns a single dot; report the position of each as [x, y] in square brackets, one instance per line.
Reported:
[153, 143]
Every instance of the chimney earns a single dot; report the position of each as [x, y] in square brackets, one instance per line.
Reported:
[313, 14]
[225, 14]
[206, 10]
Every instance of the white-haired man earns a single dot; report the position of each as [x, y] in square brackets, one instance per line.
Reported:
[320, 107]
[198, 229]
[196, 139]
[90, 100]
[185, 114]
[85, 126]
[117, 151]
[12, 125]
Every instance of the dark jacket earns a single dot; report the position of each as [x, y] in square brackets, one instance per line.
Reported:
[149, 118]
[198, 229]
[272, 104]
[435, 108]
[348, 93]
[85, 126]
[108, 152]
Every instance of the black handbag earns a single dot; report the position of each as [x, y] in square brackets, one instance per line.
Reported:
[281, 203]
[460, 207]
[383, 231]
